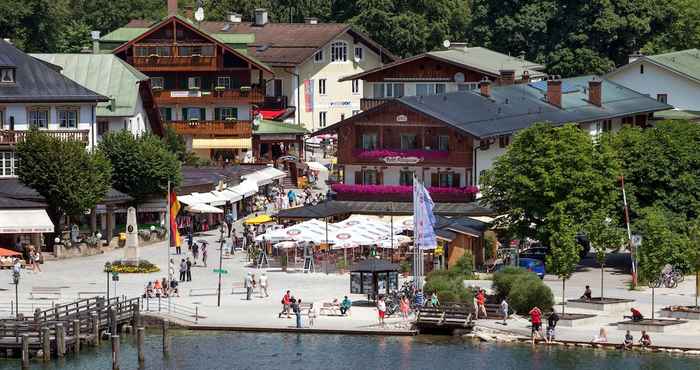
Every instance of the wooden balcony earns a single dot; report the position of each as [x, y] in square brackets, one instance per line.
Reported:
[174, 63]
[427, 157]
[14, 137]
[369, 103]
[196, 97]
[242, 129]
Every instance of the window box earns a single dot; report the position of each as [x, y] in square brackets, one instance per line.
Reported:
[400, 192]
[230, 119]
[220, 88]
[381, 153]
[245, 90]
[153, 56]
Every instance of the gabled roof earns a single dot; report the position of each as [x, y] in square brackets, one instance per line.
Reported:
[37, 82]
[11, 203]
[480, 59]
[13, 188]
[685, 63]
[276, 44]
[106, 74]
[197, 29]
[515, 107]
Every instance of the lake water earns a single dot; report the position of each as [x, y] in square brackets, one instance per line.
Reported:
[235, 350]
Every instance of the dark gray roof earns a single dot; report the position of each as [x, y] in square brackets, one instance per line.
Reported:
[13, 188]
[374, 265]
[446, 234]
[406, 208]
[10, 203]
[321, 210]
[515, 107]
[463, 225]
[37, 82]
[198, 176]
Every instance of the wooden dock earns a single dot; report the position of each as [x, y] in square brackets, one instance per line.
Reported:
[447, 319]
[53, 331]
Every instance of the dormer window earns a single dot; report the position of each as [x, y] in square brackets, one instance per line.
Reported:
[7, 75]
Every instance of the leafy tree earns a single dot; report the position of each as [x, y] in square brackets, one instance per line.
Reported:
[548, 168]
[694, 246]
[70, 178]
[143, 165]
[664, 242]
[604, 234]
[564, 251]
[34, 25]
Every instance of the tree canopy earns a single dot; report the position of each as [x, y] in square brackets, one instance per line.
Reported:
[569, 37]
[142, 165]
[70, 178]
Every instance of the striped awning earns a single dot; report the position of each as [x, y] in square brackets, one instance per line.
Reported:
[218, 143]
[21, 221]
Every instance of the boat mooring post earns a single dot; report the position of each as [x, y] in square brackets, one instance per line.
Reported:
[115, 352]
[140, 336]
[166, 338]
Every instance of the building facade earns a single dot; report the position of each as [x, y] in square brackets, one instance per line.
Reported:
[448, 140]
[204, 88]
[131, 105]
[458, 68]
[672, 78]
[307, 60]
[34, 94]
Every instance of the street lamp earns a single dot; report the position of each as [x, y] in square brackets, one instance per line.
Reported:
[221, 261]
[108, 270]
[15, 279]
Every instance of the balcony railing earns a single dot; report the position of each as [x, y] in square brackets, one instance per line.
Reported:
[398, 156]
[275, 102]
[400, 193]
[369, 103]
[223, 128]
[251, 95]
[14, 137]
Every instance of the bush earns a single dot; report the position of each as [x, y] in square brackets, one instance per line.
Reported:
[406, 266]
[464, 267]
[448, 286]
[528, 293]
[503, 280]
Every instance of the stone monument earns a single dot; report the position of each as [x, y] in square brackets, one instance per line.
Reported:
[131, 250]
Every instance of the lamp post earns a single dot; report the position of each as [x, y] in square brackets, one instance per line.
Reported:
[221, 261]
[15, 279]
[108, 270]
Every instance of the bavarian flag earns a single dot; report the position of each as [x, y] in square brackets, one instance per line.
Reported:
[174, 209]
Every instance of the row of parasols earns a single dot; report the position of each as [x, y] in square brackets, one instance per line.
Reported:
[355, 231]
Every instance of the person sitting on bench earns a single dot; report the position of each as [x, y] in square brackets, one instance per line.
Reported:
[587, 294]
[636, 315]
[149, 291]
[345, 305]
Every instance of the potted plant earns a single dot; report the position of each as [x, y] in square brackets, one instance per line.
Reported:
[284, 261]
[245, 90]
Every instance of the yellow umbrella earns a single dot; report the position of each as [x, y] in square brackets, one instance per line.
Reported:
[258, 220]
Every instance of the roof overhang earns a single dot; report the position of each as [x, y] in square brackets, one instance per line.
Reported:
[645, 59]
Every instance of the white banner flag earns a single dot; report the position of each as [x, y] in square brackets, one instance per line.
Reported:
[424, 219]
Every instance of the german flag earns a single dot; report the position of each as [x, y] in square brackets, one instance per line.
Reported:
[174, 209]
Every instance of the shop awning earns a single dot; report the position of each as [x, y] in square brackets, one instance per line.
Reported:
[4, 252]
[246, 188]
[265, 176]
[317, 166]
[219, 143]
[20, 221]
[258, 220]
[203, 208]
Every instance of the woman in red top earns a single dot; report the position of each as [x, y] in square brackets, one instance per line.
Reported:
[481, 302]
[536, 319]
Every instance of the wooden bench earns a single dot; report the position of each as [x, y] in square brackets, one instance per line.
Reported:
[39, 292]
[330, 309]
[203, 291]
[238, 288]
[305, 308]
[90, 294]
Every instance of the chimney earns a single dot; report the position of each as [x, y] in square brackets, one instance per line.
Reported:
[485, 87]
[507, 76]
[95, 41]
[234, 17]
[172, 7]
[595, 92]
[189, 11]
[311, 20]
[260, 17]
[554, 91]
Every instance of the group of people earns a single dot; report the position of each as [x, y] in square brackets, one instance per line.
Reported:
[161, 289]
[250, 283]
[293, 304]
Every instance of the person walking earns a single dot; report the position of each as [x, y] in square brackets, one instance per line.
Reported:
[552, 321]
[504, 310]
[190, 241]
[183, 269]
[248, 285]
[381, 310]
[481, 302]
[404, 307]
[263, 285]
[286, 302]
[189, 269]
[195, 252]
[204, 254]
[296, 308]
[536, 319]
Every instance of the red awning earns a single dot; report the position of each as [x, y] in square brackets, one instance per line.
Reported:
[271, 113]
[8, 253]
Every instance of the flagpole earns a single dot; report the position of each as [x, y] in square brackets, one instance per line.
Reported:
[169, 233]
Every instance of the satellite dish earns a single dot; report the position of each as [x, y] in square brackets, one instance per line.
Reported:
[199, 14]
[446, 44]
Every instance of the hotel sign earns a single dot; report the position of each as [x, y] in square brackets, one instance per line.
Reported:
[401, 118]
[401, 160]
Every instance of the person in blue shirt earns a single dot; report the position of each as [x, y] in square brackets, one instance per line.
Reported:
[420, 299]
[345, 305]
